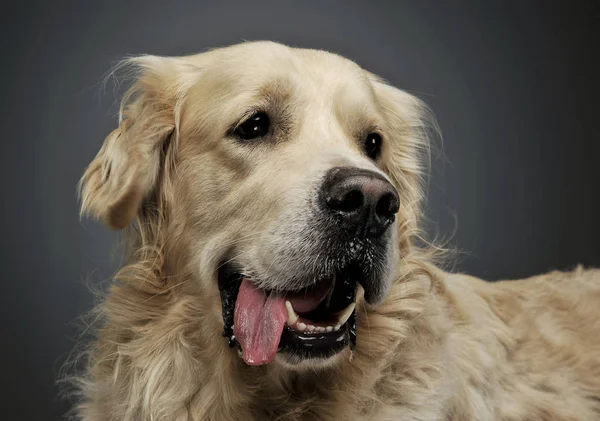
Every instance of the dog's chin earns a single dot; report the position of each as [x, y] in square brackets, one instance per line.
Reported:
[294, 362]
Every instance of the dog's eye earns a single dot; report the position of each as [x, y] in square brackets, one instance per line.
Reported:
[373, 145]
[255, 126]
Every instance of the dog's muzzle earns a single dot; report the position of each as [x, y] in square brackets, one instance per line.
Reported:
[313, 315]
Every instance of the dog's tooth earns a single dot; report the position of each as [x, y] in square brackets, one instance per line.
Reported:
[337, 327]
[310, 328]
[345, 314]
[292, 316]
[301, 326]
[320, 329]
[329, 328]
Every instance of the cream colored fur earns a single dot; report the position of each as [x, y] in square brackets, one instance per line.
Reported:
[441, 347]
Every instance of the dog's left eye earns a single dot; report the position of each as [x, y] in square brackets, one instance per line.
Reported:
[373, 145]
[256, 126]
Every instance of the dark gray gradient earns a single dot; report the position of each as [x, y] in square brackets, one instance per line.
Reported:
[514, 86]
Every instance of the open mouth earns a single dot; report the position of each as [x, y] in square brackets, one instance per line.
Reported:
[314, 322]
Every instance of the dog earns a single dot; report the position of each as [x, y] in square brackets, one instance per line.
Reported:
[271, 202]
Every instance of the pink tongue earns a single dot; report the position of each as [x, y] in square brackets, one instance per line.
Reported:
[258, 323]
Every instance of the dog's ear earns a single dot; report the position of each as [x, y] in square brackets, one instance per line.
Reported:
[406, 149]
[126, 169]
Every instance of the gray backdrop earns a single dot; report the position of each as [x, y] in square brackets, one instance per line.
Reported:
[514, 85]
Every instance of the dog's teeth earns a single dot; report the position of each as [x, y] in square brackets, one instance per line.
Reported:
[329, 328]
[301, 326]
[292, 316]
[346, 313]
[337, 327]
[310, 328]
[320, 329]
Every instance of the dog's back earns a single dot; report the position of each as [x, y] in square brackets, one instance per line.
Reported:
[535, 344]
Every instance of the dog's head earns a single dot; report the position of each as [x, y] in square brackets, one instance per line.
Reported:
[285, 180]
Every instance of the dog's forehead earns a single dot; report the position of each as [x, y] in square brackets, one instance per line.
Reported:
[273, 68]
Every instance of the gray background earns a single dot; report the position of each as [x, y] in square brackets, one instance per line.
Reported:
[514, 86]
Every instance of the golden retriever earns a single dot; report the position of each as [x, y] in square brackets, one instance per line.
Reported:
[271, 198]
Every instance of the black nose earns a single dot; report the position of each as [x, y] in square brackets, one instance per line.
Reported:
[364, 201]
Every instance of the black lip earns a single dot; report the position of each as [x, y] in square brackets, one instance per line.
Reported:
[229, 286]
[300, 344]
[314, 345]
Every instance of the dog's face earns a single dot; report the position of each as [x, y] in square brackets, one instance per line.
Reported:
[286, 180]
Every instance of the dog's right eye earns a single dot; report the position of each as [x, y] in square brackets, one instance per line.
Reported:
[255, 126]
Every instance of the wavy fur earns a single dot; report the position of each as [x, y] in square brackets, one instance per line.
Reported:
[441, 347]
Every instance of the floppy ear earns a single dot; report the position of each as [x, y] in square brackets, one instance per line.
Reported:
[406, 149]
[126, 169]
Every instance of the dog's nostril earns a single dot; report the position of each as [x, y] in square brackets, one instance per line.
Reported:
[387, 206]
[351, 201]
